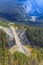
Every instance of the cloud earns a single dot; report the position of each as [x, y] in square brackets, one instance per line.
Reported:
[27, 6]
[33, 18]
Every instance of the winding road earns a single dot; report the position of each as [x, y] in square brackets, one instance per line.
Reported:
[17, 40]
[12, 33]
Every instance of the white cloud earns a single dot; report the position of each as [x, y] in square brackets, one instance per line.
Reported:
[27, 6]
[33, 18]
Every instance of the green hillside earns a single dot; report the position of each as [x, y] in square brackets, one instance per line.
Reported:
[35, 37]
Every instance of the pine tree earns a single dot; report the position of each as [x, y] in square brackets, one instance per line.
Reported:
[4, 54]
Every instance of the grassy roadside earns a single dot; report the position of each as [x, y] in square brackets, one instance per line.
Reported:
[5, 24]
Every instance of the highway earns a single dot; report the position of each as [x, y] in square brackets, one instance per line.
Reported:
[7, 30]
[21, 48]
[17, 40]
[12, 33]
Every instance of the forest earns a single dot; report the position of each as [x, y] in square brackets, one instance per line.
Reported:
[35, 37]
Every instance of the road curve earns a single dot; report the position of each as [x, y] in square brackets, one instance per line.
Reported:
[12, 33]
[17, 40]
[21, 48]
